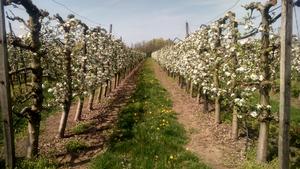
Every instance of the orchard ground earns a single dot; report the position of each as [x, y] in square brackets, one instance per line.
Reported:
[137, 125]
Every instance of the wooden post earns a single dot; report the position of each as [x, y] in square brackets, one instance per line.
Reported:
[110, 28]
[8, 132]
[187, 29]
[285, 82]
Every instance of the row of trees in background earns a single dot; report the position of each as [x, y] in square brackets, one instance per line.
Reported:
[220, 64]
[64, 59]
[153, 45]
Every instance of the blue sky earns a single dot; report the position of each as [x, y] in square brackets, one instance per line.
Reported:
[138, 20]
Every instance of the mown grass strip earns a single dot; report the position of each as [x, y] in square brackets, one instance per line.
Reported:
[147, 135]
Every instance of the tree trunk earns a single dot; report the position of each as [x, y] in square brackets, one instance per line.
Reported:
[234, 62]
[79, 108]
[106, 89]
[116, 80]
[127, 71]
[205, 104]
[217, 110]
[262, 148]
[100, 94]
[82, 81]
[34, 26]
[36, 108]
[198, 93]
[235, 133]
[68, 94]
[191, 89]
[91, 100]
[124, 73]
[20, 83]
[33, 136]
[64, 119]
[182, 82]
[187, 87]
[11, 82]
[25, 72]
[110, 86]
[119, 78]
[217, 98]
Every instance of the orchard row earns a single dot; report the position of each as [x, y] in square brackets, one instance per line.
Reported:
[58, 60]
[231, 68]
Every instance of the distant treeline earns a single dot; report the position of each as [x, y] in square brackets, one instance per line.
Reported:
[153, 45]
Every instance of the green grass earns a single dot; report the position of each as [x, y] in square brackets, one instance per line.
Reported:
[295, 88]
[295, 103]
[39, 163]
[147, 134]
[251, 163]
[75, 146]
[81, 127]
[295, 108]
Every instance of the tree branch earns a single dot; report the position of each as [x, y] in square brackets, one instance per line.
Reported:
[16, 18]
[17, 42]
[19, 70]
[59, 18]
[24, 113]
[275, 18]
[255, 30]
[254, 5]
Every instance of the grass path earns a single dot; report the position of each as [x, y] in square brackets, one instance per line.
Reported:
[148, 135]
[210, 142]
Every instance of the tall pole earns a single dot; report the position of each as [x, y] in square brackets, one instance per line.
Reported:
[285, 82]
[187, 29]
[110, 28]
[5, 96]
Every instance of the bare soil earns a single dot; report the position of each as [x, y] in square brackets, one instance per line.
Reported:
[102, 117]
[211, 142]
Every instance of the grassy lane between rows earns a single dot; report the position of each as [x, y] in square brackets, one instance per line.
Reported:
[147, 135]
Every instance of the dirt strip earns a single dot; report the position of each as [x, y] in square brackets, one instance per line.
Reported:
[211, 142]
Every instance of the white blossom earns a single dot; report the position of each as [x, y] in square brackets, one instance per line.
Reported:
[254, 114]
